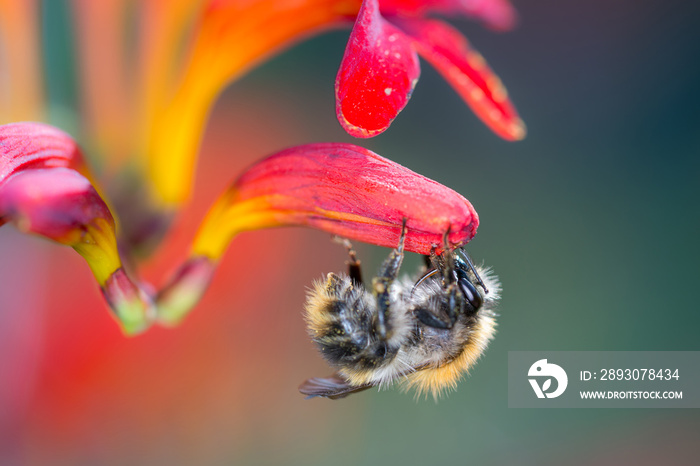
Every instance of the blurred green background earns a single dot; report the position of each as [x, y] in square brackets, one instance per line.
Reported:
[591, 223]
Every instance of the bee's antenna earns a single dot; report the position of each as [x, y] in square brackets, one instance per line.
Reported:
[422, 279]
[471, 266]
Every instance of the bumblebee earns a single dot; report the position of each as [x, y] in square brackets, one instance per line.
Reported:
[425, 332]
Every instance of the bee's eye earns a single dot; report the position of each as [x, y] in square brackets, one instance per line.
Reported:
[471, 294]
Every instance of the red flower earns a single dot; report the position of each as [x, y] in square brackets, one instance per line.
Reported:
[43, 193]
[340, 188]
[153, 129]
[380, 67]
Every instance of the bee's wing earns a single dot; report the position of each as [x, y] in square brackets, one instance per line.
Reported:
[333, 387]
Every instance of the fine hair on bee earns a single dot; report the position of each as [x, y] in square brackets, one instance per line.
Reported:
[425, 332]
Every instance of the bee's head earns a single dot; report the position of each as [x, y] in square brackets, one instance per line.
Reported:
[469, 282]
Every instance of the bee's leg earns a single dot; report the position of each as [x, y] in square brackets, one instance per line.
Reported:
[386, 276]
[433, 260]
[448, 265]
[427, 262]
[445, 263]
[429, 318]
[354, 266]
[449, 275]
[451, 279]
[353, 262]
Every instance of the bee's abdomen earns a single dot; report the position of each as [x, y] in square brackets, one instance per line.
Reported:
[344, 328]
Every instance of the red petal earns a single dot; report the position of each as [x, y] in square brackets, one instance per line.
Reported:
[377, 75]
[35, 145]
[497, 14]
[57, 203]
[465, 69]
[342, 189]
[42, 193]
[29, 192]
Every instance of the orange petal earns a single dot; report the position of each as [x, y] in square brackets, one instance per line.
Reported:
[163, 28]
[105, 72]
[21, 93]
[230, 37]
